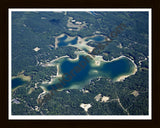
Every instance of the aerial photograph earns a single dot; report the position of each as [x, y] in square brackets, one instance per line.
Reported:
[79, 63]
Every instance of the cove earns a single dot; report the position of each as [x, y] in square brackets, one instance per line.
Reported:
[62, 42]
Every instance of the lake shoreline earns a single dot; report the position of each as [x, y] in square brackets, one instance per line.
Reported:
[97, 58]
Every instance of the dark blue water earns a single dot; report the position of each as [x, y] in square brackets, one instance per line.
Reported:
[73, 72]
[63, 43]
[116, 68]
[17, 82]
[96, 38]
[74, 41]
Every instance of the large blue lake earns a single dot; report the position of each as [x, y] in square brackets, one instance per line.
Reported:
[78, 73]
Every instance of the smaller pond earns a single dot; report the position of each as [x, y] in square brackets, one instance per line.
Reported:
[17, 82]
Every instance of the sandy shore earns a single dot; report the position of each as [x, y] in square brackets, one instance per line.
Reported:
[82, 44]
[76, 59]
[114, 59]
[69, 38]
[23, 77]
[51, 63]
[56, 39]
[123, 77]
